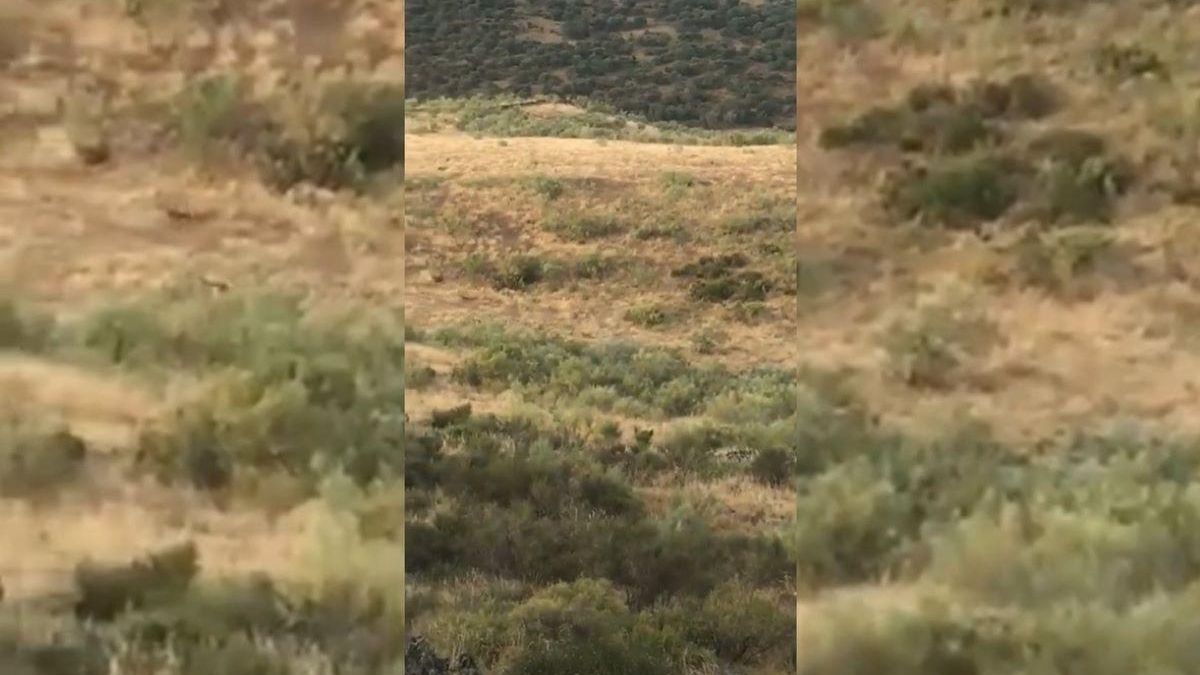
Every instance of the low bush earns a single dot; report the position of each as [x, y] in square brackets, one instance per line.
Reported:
[582, 228]
[959, 194]
[37, 458]
[108, 590]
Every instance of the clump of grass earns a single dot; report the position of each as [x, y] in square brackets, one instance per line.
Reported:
[772, 466]
[779, 222]
[1079, 178]
[23, 329]
[1125, 62]
[677, 183]
[709, 341]
[1024, 96]
[941, 120]
[450, 416]
[931, 347]
[957, 194]
[674, 231]
[337, 136]
[596, 266]
[208, 112]
[1054, 260]
[85, 117]
[1177, 120]
[547, 188]
[1064, 176]
[519, 272]
[108, 590]
[522, 272]
[330, 135]
[649, 316]
[722, 279]
[582, 228]
[279, 384]
[37, 458]
[418, 376]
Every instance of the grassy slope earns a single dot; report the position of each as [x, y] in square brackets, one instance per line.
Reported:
[718, 65]
[78, 238]
[1111, 347]
[476, 204]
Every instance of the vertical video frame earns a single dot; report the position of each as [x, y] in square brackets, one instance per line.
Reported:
[201, 337]
[600, 320]
[997, 253]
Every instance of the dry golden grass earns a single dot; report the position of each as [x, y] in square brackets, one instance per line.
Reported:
[73, 236]
[1067, 362]
[479, 181]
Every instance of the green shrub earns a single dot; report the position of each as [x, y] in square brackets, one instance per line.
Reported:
[335, 137]
[674, 232]
[210, 110]
[596, 656]
[37, 458]
[547, 188]
[281, 385]
[583, 228]
[940, 119]
[107, 590]
[772, 466]
[676, 183]
[959, 193]
[519, 272]
[743, 286]
[1079, 179]
[1056, 259]
[597, 266]
[877, 126]
[754, 223]
[658, 378]
[450, 416]
[21, 329]
[931, 347]
[739, 623]
[850, 525]
[1125, 62]
[649, 316]
[1022, 97]
[713, 267]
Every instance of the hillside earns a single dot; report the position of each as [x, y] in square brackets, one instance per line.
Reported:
[176, 494]
[600, 395]
[710, 63]
[997, 242]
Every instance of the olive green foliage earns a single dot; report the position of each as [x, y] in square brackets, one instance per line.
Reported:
[972, 160]
[723, 279]
[548, 516]
[37, 458]
[744, 77]
[1039, 558]
[330, 135]
[283, 386]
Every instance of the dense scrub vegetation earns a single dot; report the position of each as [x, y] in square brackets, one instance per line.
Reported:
[290, 405]
[1016, 562]
[709, 63]
[532, 547]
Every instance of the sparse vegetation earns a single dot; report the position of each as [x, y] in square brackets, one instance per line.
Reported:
[581, 228]
[201, 436]
[1008, 512]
